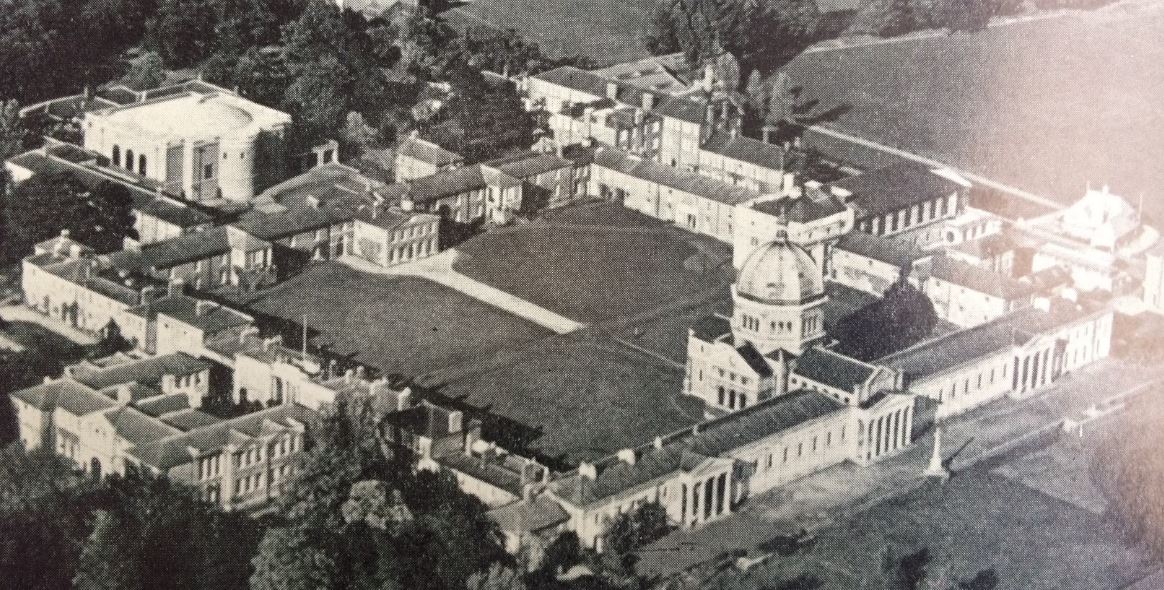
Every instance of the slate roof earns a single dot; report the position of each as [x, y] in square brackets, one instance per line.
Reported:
[527, 164]
[980, 279]
[446, 183]
[684, 109]
[79, 400]
[189, 419]
[895, 187]
[539, 514]
[145, 371]
[711, 327]
[172, 451]
[809, 206]
[672, 177]
[163, 404]
[427, 151]
[576, 79]
[745, 149]
[833, 369]
[184, 308]
[880, 248]
[963, 346]
[190, 247]
[136, 427]
[685, 450]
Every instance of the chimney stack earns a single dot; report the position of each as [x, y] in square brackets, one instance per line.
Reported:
[202, 308]
[612, 90]
[659, 442]
[247, 331]
[268, 343]
[648, 101]
[403, 399]
[627, 456]
[175, 287]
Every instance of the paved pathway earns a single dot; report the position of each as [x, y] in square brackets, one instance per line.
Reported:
[439, 269]
[20, 313]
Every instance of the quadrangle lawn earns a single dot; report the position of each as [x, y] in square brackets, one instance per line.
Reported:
[580, 397]
[586, 274]
[399, 325]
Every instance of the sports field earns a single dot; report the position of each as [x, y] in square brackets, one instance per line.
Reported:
[1046, 106]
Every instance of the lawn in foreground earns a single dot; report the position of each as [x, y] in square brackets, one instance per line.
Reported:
[1046, 106]
[974, 522]
[580, 397]
[399, 325]
[586, 274]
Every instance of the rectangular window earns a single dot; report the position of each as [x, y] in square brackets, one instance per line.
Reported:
[208, 171]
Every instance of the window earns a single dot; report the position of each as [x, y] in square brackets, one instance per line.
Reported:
[141, 164]
[208, 171]
[116, 155]
[129, 160]
[799, 449]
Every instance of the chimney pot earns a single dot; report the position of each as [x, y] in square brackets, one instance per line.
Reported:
[658, 442]
[612, 90]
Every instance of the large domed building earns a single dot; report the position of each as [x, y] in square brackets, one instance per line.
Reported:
[777, 300]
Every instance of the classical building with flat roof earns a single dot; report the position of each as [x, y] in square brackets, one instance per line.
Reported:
[198, 140]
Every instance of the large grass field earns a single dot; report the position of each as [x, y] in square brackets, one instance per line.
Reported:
[608, 31]
[580, 397]
[1046, 106]
[586, 273]
[976, 521]
[400, 325]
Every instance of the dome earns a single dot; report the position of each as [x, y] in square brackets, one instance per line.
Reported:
[780, 272]
[192, 116]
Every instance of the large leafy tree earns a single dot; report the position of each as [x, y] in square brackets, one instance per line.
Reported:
[182, 31]
[760, 34]
[901, 318]
[42, 206]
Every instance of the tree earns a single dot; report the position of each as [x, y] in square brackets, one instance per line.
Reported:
[911, 570]
[287, 560]
[662, 35]
[107, 563]
[497, 577]
[562, 552]
[965, 15]
[986, 579]
[111, 342]
[10, 139]
[182, 31]
[889, 18]
[146, 72]
[760, 34]
[901, 318]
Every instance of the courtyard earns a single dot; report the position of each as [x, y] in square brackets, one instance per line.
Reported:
[595, 263]
[399, 325]
[576, 397]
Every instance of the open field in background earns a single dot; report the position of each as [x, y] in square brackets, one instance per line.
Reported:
[1045, 106]
[400, 325]
[586, 273]
[976, 521]
[583, 397]
[608, 31]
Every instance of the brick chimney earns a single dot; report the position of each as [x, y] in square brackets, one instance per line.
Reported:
[202, 307]
[612, 90]
[648, 101]
[175, 288]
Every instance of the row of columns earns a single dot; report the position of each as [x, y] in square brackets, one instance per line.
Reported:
[1033, 371]
[887, 433]
[709, 497]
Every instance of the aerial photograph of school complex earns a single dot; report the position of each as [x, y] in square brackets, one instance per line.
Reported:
[549, 294]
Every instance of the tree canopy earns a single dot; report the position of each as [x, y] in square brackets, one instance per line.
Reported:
[901, 318]
[39, 208]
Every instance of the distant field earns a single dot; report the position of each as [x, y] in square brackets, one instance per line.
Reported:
[607, 31]
[580, 398]
[400, 325]
[975, 522]
[1046, 106]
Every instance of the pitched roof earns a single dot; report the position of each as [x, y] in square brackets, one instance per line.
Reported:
[689, 182]
[685, 449]
[136, 427]
[810, 206]
[880, 248]
[79, 400]
[163, 404]
[174, 450]
[711, 327]
[754, 359]
[527, 164]
[539, 514]
[446, 183]
[147, 371]
[198, 245]
[833, 369]
[895, 187]
[958, 348]
[575, 79]
[980, 279]
[185, 309]
[683, 108]
[427, 151]
[745, 149]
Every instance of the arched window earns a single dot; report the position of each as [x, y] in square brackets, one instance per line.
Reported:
[129, 160]
[141, 164]
[116, 155]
